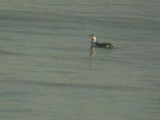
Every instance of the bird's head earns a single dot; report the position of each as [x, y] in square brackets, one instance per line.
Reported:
[93, 38]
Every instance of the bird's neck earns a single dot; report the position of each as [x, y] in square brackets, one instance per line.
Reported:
[93, 40]
[93, 43]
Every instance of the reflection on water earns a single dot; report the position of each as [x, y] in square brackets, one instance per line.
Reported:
[92, 55]
[92, 52]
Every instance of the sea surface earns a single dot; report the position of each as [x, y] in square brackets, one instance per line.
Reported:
[48, 72]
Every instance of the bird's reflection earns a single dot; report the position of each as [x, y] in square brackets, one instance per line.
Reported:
[92, 52]
[92, 56]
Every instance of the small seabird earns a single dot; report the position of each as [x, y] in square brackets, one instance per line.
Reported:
[94, 43]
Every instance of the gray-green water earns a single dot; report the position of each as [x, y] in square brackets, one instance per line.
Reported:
[46, 72]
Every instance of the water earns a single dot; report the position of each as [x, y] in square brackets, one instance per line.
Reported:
[46, 71]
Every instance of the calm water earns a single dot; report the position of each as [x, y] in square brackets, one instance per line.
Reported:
[47, 73]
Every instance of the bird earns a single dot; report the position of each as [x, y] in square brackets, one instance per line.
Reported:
[94, 43]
